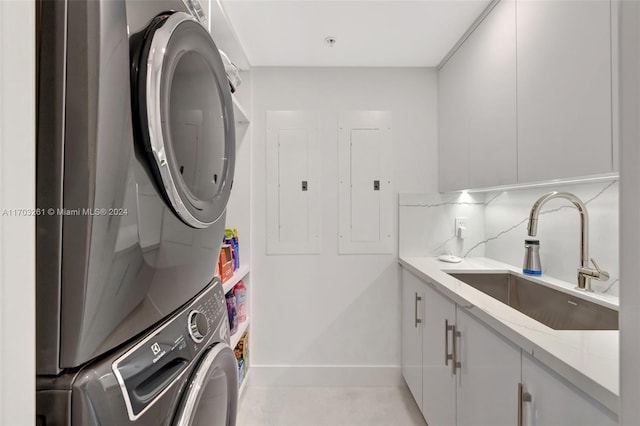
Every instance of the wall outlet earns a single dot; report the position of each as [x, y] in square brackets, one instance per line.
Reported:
[460, 227]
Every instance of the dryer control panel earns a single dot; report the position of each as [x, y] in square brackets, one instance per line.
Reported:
[146, 371]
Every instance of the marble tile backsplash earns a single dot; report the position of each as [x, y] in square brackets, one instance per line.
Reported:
[497, 223]
[427, 224]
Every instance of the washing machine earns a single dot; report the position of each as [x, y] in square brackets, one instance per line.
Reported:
[135, 161]
[181, 373]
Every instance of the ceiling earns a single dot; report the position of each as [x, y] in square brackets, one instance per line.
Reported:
[379, 33]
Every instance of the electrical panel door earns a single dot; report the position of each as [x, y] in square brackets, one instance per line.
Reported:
[365, 191]
[292, 183]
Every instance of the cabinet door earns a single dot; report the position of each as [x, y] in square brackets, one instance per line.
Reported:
[477, 106]
[412, 291]
[487, 381]
[555, 401]
[453, 122]
[493, 157]
[564, 89]
[439, 393]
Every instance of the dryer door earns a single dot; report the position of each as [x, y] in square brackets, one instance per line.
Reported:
[183, 116]
[211, 396]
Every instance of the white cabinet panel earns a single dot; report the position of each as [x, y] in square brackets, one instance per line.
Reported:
[530, 96]
[556, 402]
[293, 170]
[487, 381]
[492, 79]
[477, 106]
[365, 191]
[293, 183]
[453, 121]
[439, 385]
[564, 89]
[412, 311]
[365, 170]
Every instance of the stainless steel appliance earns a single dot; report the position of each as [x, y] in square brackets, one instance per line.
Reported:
[135, 176]
[135, 161]
[181, 373]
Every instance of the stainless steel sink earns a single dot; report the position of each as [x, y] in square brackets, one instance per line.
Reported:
[553, 308]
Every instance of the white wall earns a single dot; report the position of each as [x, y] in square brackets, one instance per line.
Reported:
[327, 313]
[17, 234]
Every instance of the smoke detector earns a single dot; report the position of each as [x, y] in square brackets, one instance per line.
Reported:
[331, 41]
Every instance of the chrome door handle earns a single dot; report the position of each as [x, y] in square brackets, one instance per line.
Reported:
[415, 315]
[522, 398]
[447, 356]
[455, 334]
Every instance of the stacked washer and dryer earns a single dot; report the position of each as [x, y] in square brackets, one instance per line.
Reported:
[135, 161]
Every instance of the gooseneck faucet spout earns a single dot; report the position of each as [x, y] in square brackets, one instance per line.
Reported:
[585, 273]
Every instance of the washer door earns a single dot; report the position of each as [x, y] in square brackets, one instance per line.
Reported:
[211, 396]
[183, 116]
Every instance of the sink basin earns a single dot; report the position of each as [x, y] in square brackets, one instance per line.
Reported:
[553, 308]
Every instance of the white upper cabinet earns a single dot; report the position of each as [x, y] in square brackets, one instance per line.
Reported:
[564, 89]
[477, 106]
[492, 147]
[528, 96]
[453, 120]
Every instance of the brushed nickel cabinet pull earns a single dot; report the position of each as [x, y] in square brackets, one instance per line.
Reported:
[456, 335]
[522, 398]
[417, 320]
[454, 349]
[447, 356]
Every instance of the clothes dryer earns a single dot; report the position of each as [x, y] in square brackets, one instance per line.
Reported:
[135, 162]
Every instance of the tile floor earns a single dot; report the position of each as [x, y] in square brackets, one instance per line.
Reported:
[327, 406]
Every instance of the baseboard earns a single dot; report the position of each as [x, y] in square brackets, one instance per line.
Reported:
[326, 375]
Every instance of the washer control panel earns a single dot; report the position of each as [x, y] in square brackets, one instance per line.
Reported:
[207, 316]
[156, 362]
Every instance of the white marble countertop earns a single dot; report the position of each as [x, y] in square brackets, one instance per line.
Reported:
[588, 359]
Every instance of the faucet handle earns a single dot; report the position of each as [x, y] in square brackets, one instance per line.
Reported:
[602, 275]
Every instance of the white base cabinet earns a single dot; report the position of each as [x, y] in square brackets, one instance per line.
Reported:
[556, 402]
[487, 380]
[461, 372]
[466, 366]
[439, 385]
[412, 295]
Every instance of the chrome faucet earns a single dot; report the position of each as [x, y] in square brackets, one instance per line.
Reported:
[585, 273]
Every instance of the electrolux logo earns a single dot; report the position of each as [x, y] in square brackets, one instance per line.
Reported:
[158, 353]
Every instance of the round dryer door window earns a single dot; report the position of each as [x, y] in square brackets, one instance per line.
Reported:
[211, 396]
[183, 116]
